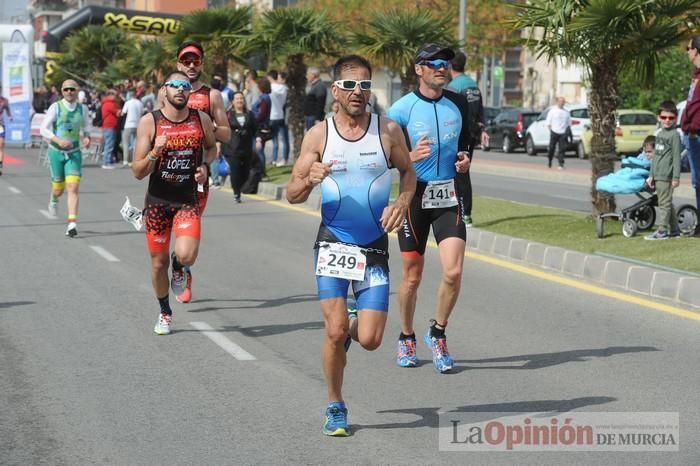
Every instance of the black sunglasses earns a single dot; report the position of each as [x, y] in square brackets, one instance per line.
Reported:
[69, 89]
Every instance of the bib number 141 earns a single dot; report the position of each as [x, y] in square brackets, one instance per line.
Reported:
[439, 194]
[341, 261]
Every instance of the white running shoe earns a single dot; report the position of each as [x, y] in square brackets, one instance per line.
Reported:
[72, 229]
[164, 324]
[53, 209]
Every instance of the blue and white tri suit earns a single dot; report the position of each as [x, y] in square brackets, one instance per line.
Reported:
[353, 198]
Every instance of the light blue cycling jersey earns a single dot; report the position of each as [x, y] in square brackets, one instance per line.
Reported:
[442, 121]
[357, 190]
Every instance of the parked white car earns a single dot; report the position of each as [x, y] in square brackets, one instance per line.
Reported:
[537, 134]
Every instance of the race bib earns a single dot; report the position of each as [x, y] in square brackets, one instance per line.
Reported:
[341, 261]
[132, 215]
[439, 194]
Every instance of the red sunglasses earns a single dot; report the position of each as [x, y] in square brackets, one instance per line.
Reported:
[191, 61]
[667, 117]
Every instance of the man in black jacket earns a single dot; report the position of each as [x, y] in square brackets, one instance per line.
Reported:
[315, 100]
[462, 83]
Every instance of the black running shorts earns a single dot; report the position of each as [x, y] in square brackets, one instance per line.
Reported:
[446, 222]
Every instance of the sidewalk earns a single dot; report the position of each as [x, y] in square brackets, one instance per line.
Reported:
[672, 287]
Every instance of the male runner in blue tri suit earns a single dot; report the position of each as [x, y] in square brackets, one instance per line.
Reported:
[435, 123]
[350, 155]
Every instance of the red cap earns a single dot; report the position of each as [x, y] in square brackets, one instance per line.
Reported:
[190, 49]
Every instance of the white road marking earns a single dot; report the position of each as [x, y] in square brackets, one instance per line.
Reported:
[14, 190]
[104, 253]
[46, 214]
[227, 345]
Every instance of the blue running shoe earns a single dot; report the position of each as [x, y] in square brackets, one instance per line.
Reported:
[336, 420]
[406, 353]
[442, 361]
[352, 308]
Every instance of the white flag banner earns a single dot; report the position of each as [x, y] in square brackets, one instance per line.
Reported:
[17, 88]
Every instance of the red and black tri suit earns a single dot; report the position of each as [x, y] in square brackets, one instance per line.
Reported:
[172, 197]
[201, 100]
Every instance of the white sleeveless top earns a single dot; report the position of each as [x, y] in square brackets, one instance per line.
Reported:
[357, 191]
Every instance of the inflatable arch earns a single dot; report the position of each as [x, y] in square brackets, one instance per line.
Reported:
[138, 22]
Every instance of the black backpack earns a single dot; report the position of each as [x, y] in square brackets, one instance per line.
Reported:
[97, 119]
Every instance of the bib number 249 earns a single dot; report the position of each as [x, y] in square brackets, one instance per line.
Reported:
[341, 261]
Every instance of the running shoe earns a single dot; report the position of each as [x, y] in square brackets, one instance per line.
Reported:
[178, 282]
[352, 315]
[186, 295]
[442, 361]
[336, 424]
[352, 308]
[72, 230]
[164, 324]
[53, 209]
[406, 353]
[657, 235]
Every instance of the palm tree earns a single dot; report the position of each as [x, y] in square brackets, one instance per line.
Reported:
[392, 38]
[288, 35]
[606, 36]
[89, 51]
[154, 60]
[222, 32]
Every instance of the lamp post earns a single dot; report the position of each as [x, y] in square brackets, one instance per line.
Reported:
[532, 75]
[462, 23]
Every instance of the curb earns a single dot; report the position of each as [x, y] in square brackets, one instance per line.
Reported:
[659, 284]
[635, 279]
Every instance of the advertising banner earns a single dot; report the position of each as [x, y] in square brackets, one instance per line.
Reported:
[17, 88]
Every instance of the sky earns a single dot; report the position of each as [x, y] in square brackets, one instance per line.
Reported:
[10, 8]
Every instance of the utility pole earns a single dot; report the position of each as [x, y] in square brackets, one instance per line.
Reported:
[462, 23]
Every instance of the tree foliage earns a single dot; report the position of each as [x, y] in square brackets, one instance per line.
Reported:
[392, 38]
[670, 83]
[486, 32]
[289, 36]
[89, 55]
[224, 33]
[605, 37]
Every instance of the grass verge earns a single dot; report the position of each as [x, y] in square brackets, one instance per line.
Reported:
[278, 175]
[566, 229]
[576, 231]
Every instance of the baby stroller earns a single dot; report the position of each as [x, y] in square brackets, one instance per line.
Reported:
[631, 179]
